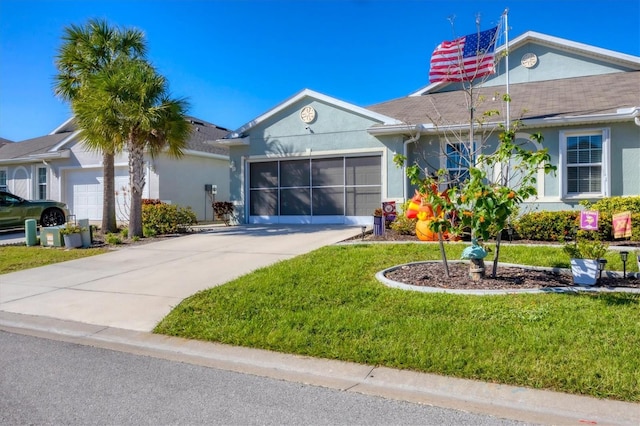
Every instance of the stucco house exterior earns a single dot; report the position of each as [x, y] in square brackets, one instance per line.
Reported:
[58, 166]
[317, 159]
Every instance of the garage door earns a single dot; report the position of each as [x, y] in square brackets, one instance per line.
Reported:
[319, 190]
[84, 193]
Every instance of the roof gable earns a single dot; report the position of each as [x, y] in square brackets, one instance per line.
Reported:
[560, 58]
[39, 147]
[304, 94]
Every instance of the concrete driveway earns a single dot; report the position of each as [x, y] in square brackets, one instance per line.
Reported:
[135, 287]
[17, 236]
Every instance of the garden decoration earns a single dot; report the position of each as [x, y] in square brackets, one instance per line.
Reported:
[72, 235]
[422, 210]
[476, 254]
[584, 256]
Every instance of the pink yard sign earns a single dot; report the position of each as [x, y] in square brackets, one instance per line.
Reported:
[589, 220]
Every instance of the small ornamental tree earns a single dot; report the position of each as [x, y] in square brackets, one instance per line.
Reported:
[480, 205]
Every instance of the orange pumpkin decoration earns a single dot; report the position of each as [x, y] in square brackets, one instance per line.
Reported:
[424, 233]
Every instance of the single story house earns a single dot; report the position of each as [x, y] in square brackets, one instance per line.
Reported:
[59, 166]
[317, 159]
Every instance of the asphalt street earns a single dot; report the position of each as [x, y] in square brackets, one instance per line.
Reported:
[54, 382]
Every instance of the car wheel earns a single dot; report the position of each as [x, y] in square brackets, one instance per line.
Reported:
[52, 217]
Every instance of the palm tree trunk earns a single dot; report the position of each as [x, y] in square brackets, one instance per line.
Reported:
[137, 182]
[108, 196]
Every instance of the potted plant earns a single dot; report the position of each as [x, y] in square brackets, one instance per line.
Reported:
[223, 211]
[585, 257]
[72, 235]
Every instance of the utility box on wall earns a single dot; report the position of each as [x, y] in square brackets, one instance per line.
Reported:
[211, 189]
[50, 236]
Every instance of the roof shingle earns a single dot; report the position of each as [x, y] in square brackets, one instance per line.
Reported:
[578, 96]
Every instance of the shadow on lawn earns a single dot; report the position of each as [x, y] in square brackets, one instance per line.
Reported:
[611, 299]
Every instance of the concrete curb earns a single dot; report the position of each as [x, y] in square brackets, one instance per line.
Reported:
[529, 405]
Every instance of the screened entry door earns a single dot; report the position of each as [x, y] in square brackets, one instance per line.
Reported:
[319, 190]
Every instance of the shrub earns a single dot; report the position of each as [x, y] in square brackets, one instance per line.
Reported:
[222, 207]
[605, 228]
[149, 232]
[565, 224]
[547, 225]
[586, 249]
[402, 225]
[223, 210]
[112, 239]
[162, 218]
[613, 205]
[151, 201]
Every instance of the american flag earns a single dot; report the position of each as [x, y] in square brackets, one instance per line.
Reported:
[465, 58]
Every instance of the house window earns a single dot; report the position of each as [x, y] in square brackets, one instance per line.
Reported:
[458, 161]
[3, 180]
[584, 163]
[42, 183]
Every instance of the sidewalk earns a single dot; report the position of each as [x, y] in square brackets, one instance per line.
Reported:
[114, 300]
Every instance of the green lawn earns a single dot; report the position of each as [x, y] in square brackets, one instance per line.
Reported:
[16, 258]
[329, 304]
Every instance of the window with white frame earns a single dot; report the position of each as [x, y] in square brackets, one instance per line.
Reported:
[42, 183]
[458, 159]
[3, 180]
[584, 163]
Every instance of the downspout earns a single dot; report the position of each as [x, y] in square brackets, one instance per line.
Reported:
[636, 116]
[406, 156]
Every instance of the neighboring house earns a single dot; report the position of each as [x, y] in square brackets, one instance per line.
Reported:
[58, 166]
[316, 159]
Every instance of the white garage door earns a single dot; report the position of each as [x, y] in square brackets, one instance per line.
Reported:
[84, 193]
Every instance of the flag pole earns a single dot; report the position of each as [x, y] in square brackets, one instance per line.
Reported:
[505, 15]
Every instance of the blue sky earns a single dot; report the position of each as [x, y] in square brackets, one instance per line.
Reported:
[235, 60]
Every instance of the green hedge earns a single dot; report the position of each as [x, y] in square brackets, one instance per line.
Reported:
[547, 226]
[160, 218]
[565, 224]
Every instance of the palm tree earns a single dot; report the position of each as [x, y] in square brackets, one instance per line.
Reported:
[86, 51]
[129, 104]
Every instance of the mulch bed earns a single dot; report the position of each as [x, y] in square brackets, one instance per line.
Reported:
[507, 278]
[432, 274]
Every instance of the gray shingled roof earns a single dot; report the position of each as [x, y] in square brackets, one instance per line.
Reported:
[578, 96]
[203, 137]
[203, 132]
[31, 146]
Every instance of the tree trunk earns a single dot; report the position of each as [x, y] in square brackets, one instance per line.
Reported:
[443, 254]
[137, 182]
[494, 271]
[108, 194]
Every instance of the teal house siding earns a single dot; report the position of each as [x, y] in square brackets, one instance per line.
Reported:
[585, 101]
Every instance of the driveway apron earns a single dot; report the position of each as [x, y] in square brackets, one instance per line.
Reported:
[135, 287]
